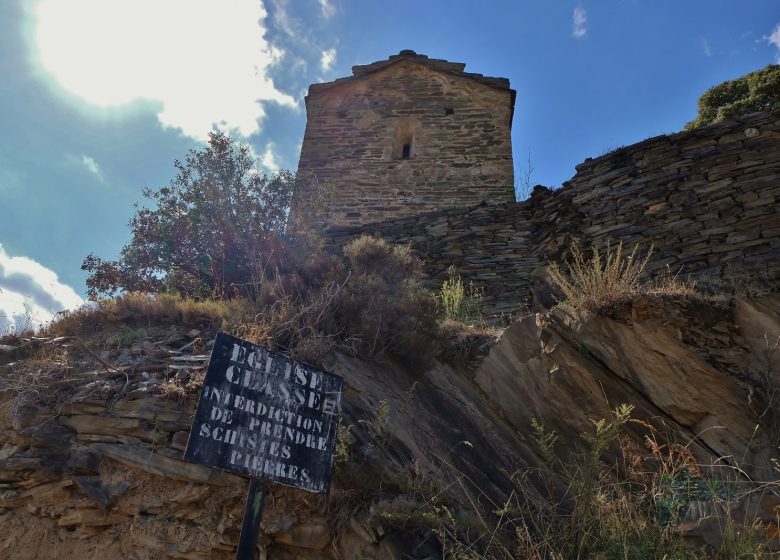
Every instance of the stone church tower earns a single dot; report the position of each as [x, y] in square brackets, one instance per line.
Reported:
[408, 135]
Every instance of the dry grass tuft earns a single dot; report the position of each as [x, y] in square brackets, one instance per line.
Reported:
[464, 343]
[670, 284]
[608, 279]
[148, 310]
[742, 283]
[603, 282]
[172, 390]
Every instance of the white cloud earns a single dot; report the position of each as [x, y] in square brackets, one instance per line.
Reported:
[268, 159]
[774, 39]
[327, 8]
[327, 59]
[705, 46]
[206, 61]
[92, 166]
[30, 293]
[579, 19]
[285, 22]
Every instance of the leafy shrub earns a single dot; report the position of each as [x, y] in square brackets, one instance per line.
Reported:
[206, 230]
[756, 91]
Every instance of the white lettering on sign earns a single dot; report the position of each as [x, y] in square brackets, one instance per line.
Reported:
[260, 414]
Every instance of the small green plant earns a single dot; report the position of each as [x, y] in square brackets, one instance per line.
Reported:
[452, 295]
[128, 335]
[458, 303]
[343, 453]
[545, 441]
[606, 431]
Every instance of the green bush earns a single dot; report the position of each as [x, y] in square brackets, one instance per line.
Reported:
[204, 233]
[458, 303]
[756, 91]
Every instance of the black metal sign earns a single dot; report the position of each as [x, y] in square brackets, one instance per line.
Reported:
[264, 416]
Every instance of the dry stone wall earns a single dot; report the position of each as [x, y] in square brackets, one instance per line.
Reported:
[454, 126]
[708, 201]
[489, 246]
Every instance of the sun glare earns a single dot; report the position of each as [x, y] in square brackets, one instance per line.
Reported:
[205, 60]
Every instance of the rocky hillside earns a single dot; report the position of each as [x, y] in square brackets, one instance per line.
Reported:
[429, 459]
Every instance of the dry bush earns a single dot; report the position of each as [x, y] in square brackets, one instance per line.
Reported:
[146, 310]
[604, 281]
[370, 302]
[609, 279]
[41, 381]
[385, 308]
[462, 342]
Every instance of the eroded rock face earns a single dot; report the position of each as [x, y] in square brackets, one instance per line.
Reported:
[91, 461]
[689, 363]
[700, 373]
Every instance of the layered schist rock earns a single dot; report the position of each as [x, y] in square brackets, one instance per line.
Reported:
[91, 458]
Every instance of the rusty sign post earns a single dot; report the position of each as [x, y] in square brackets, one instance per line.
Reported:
[263, 416]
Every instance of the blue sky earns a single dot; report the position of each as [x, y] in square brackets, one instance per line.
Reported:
[98, 97]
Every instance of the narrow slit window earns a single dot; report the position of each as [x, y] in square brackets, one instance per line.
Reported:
[403, 141]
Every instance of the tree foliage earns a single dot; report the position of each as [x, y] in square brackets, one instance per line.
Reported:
[209, 232]
[757, 91]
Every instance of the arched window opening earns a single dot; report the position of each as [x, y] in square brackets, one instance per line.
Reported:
[403, 141]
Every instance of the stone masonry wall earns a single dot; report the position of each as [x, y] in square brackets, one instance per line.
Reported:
[490, 246]
[458, 130]
[707, 200]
